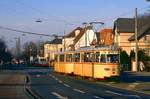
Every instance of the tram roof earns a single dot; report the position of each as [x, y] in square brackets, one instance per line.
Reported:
[96, 48]
[88, 49]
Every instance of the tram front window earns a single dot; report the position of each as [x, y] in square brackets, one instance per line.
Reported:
[112, 58]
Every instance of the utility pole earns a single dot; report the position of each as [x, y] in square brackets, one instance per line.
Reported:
[136, 40]
[64, 41]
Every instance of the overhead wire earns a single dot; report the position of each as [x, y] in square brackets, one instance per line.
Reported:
[47, 14]
[21, 31]
[123, 14]
[41, 12]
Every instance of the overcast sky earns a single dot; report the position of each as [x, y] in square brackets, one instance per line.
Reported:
[60, 15]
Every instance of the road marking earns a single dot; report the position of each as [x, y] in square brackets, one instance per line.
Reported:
[50, 75]
[79, 90]
[113, 93]
[37, 75]
[59, 96]
[56, 79]
[131, 86]
[66, 85]
[135, 96]
[97, 97]
[59, 81]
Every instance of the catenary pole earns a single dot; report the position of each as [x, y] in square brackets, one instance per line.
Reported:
[136, 40]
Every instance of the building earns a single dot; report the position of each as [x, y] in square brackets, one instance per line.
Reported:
[87, 37]
[68, 39]
[106, 37]
[83, 37]
[50, 47]
[124, 30]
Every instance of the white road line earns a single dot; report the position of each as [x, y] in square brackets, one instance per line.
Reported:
[37, 75]
[97, 97]
[66, 85]
[122, 94]
[111, 92]
[59, 81]
[56, 79]
[79, 90]
[133, 96]
[59, 96]
[133, 85]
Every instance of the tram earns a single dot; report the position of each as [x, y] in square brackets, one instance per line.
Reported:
[97, 63]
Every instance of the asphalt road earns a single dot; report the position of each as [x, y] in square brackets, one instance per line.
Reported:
[49, 85]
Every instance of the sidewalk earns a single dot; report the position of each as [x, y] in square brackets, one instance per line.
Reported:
[12, 86]
[136, 81]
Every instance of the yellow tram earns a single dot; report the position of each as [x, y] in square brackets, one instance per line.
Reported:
[97, 63]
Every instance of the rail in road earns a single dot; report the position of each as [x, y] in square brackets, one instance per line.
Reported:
[55, 86]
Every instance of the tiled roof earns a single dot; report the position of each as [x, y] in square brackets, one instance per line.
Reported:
[144, 30]
[77, 38]
[72, 34]
[125, 25]
[55, 41]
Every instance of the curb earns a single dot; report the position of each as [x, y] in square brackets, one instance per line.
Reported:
[123, 88]
[28, 91]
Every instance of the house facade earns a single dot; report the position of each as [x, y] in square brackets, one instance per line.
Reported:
[87, 37]
[124, 30]
[79, 37]
[51, 47]
[68, 39]
[106, 37]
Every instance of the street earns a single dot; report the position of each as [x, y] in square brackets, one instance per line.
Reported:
[43, 83]
[52, 85]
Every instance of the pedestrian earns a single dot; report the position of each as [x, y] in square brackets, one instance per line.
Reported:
[142, 67]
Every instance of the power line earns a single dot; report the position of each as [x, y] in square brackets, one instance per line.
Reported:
[26, 32]
[43, 12]
[123, 14]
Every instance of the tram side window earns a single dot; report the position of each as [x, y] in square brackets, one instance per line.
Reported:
[112, 58]
[89, 57]
[77, 57]
[61, 58]
[98, 57]
[103, 58]
[82, 57]
[69, 58]
[56, 56]
[86, 57]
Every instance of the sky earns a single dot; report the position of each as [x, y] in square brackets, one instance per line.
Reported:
[59, 16]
